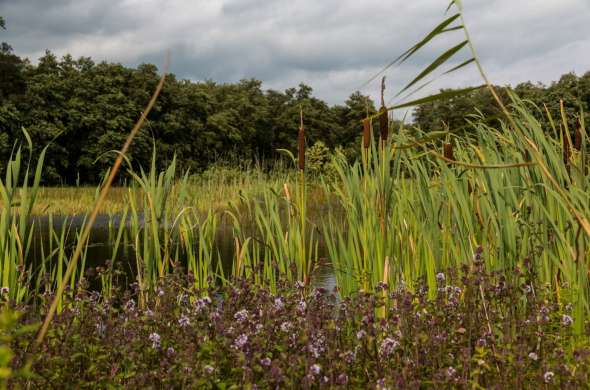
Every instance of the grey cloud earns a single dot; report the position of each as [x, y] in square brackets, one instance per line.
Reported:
[332, 45]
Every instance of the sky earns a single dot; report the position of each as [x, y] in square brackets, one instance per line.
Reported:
[334, 46]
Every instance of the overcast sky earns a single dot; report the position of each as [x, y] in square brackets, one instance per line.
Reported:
[332, 45]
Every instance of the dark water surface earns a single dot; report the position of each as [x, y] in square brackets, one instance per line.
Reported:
[104, 233]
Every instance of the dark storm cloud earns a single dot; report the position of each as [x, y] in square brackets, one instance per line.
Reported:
[332, 45]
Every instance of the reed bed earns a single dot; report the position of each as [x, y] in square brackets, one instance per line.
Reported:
[508, 204]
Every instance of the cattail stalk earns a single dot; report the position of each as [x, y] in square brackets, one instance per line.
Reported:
[567, 152]
[305, 268]
[385, 281]
[383, 115]
[301, 143]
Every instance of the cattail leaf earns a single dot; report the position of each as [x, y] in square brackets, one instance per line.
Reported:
[436, 31]
[439, 96]
[465, 63]
[440, 29]
[28, 138]
[461, 65]
[454, 28]
[288, 153]
[435, 64]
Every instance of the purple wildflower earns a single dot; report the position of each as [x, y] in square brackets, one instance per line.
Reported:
[241, 315]
[184, 321]
[388, 346]
[301, 306]
[451, 372]
[240, 341]
[278, 303]
[285, 326]
[315, 369]
[155, 339]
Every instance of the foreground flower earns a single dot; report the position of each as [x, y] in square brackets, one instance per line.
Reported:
[548, 376]
[184, 321]
[533, 356]
[241, 315]
[241, 341]
[451, 371]
[278, 303]
[440, 277]
[301, 306]
[266, 362]
[286, 326]
[388, 346]
[155, 339]
[315, 369]
[566, 320]
[208, 369]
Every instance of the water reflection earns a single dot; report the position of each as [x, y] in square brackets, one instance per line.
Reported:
[48, 230]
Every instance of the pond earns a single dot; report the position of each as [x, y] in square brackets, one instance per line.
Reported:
[50, 230]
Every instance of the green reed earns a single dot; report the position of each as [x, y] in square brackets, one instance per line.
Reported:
[18, 196]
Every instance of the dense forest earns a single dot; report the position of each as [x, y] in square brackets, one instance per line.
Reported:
[84, 110]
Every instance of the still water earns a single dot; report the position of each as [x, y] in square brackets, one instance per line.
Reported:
[100, 250]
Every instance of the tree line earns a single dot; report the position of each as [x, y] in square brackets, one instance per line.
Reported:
[544, 101]
[84, 111]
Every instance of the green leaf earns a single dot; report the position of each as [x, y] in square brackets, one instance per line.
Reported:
[432, 98]
[440, 29]
[435, 64]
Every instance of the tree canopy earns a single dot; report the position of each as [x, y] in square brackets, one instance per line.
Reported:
[84, 110]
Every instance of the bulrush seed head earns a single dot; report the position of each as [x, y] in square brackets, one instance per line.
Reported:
[366, 133]
[448, 151]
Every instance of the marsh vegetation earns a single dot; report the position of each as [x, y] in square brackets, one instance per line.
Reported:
[455, 256]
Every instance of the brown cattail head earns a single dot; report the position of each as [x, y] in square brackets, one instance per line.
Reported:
[366, 133]
[448, 151]
[301, 142]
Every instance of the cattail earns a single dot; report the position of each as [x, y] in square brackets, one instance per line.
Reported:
[448, 151]
[383, 124]
[301, 143]
[383, 114]
[366, 133]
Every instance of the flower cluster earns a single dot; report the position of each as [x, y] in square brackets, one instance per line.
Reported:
[251, 337]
